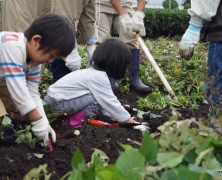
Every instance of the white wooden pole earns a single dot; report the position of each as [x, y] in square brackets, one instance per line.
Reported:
[155, 66]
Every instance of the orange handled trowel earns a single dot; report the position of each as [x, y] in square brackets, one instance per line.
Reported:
[138, 126]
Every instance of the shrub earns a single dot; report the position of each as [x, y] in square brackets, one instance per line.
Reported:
[165, 22]
[166, 5]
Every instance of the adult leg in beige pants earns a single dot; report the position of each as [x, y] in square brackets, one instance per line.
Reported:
[108, 16]
[82, 15]
[17, 15]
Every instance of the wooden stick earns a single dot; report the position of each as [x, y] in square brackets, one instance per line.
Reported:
[155, 66]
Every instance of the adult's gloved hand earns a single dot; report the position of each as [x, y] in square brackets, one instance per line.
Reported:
[126, 23]
[190, 38]
[42, 130]
[138, 24]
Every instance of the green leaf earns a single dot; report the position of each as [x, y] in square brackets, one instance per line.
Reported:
[199, 170]
[78, 161]
[6, 121]
[212, 166]
[38, 155]
[38, 173]
[149, 148]
[105, 173]
[129, 165]
[170, 159]
[183, 173]
[190, 156]
[202, 155]
[152, 115]
[75, 174]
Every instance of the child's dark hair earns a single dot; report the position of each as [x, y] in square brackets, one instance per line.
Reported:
[56, 34]
[113, 57]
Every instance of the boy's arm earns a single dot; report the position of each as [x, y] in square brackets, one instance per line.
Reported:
[200, 11]
[21, 93]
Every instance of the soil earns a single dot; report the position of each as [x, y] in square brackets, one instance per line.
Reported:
[17, 159]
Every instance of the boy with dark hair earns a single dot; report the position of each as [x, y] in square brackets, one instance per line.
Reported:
[21, 56]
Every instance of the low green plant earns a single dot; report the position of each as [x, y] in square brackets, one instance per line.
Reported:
[185, 77]
[183, 149]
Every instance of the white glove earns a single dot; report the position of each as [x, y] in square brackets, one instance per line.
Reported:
[73, 60]
[41, 129]
[126, 23]
[190, 38]
[138, 24]
[142, 128]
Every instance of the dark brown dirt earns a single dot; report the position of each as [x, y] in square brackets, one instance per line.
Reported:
[17, 159]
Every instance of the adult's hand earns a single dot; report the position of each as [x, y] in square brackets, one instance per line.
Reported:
[126, 23]
[190, 38]
[138, 24]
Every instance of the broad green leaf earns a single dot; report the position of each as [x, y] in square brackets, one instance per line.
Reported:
[103, 157]
[169, 175]
[78, 161]
[130, 165]
[212, 166]
[38, 155]
[6, 121]
[204, 146]
[152, 115]
[149, 148]
[95, 165]
[183, 173]
[202, 155]
[38, 173]
[104, 175]
[190, 156]
[170, 159]
[199, 170]
[75, 174]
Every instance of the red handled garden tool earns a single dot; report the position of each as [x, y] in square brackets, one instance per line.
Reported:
[138, 126]
[155, 66]
[50, 144]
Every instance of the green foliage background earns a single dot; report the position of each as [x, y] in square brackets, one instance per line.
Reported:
[174, 4]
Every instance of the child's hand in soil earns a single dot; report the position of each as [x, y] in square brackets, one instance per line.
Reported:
[131, 120]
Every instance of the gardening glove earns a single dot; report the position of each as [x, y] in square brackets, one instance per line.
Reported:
[42, 130]
[138, 24]
[190, 38]
[142, 128]
[126, 23]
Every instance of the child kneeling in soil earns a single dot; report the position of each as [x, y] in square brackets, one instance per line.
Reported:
[21, 56]
[83, 93]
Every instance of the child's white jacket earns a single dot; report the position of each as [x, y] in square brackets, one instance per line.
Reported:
[21, 78]
[89, 81]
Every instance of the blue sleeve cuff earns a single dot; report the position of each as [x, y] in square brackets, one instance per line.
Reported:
[195, 26]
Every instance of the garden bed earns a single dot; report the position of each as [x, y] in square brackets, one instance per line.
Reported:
[17, 159]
